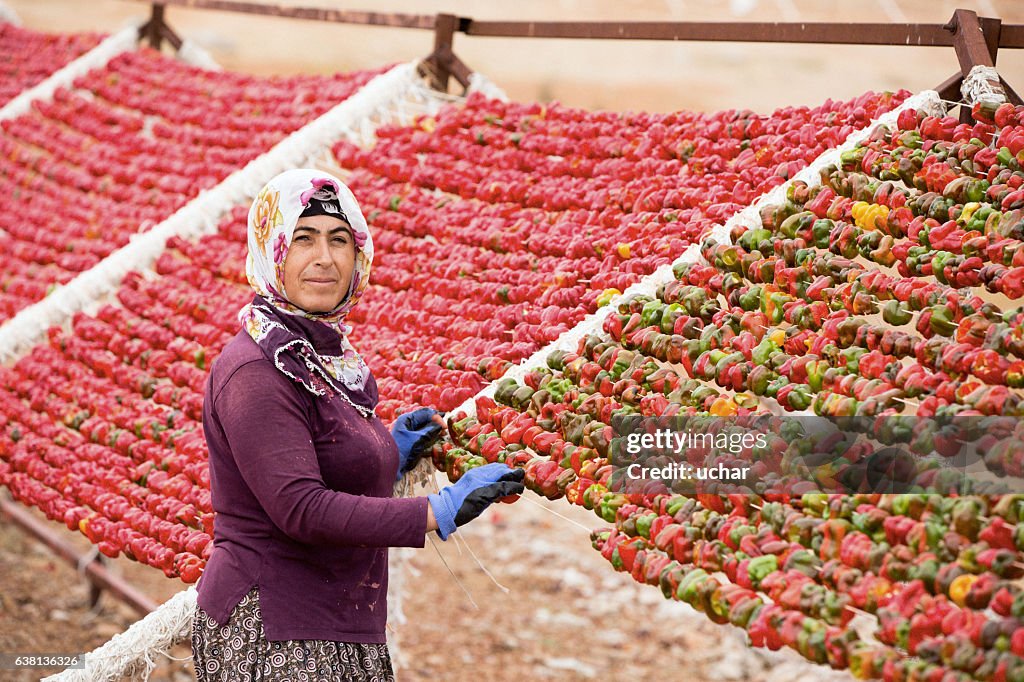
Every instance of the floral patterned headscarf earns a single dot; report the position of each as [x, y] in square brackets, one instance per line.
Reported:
[283, 330]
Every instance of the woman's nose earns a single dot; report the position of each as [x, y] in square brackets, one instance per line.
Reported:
[323, 252]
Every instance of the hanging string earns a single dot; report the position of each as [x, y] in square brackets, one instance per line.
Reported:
[484, 569]
[455, 577]
[552, 511]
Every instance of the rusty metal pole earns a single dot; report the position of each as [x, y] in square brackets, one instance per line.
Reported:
[154, 36]
[97, 573]
[444, 35]
[973, 48]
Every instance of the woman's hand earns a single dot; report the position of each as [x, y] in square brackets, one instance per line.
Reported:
[479, 488]
[415, 433]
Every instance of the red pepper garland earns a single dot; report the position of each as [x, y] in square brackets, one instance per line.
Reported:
[747, 324]
[117, 452]
[28, 57]
[127, 146]
[865, 590]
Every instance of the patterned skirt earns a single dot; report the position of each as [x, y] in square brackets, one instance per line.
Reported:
[240, 651]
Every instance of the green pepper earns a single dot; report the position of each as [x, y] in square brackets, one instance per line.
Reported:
[896, 313]
[610, 504]
[737, 532]
[651, 313]
[678, 503]
[670, 578]
[760, 567]
[757, 380]
[851, 159]
[965, 517]
[763, 351]
[775, 386]
[816, 373]
[751, 298]
[796, 223]
[800, 397]
[803, 561]
[751, 239]
[643, 525]
[740, 614]
[622, 362]
[851, 356]
[820, 231]
[1006, 158]
[689, 585]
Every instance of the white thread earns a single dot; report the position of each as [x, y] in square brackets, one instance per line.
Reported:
[982, 85]
[8, 15]
[484, 568]
[131, 652]
[485, 86]
[454, 577]
[191, 53]
[552, 511]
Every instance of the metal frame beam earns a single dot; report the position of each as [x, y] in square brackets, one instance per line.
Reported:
[97, 574]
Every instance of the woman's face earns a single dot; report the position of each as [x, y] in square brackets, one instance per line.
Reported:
[319, 264]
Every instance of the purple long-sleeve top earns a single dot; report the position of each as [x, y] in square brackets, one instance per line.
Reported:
[301, 486]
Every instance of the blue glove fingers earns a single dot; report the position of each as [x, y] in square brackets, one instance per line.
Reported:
[482, 498]
[487, 474]
[490, 482]
[416, 419]
[414, 432]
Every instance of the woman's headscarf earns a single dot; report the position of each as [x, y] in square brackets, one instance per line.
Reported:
[311, 348]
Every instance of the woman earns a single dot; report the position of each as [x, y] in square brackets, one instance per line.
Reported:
[301, 470]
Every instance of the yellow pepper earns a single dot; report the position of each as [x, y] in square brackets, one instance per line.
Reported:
[959, 588]
[869, 216]
[969, 209]
[606, 297]
[623, 250]
[747, 400]
[723, 407]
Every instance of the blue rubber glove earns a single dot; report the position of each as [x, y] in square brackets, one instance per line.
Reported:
[466, 499]
[415, 433]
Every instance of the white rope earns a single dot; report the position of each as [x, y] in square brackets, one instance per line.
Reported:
[134, 651]
[96, 58]
[191, 53]
[8, 15]
[648, 285]
[200, 215]
[982, 85]
[478, 82]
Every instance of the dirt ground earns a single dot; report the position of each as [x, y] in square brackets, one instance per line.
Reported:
[566, 615]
